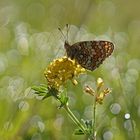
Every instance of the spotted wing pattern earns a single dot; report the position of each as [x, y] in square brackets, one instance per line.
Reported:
[90, 54]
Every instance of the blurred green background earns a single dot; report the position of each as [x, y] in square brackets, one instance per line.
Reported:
[29, 41]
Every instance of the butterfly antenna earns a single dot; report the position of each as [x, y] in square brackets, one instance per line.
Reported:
[68, 28]
[64, 37]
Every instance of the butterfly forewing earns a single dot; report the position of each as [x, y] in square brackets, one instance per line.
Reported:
[90, 54]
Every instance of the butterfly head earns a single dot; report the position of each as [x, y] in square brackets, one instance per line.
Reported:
[69, 50]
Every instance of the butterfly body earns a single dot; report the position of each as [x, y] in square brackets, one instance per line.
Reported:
[89, 54]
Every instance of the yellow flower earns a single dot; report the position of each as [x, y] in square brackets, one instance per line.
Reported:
[61, 70]
[100, 83]
[100, 91]
[89, 90]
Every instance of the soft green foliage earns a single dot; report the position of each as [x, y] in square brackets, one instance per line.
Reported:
[29, 41]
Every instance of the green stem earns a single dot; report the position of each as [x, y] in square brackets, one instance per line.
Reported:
[76, 121]
[94, 120]
[133, 128]
[94, 116]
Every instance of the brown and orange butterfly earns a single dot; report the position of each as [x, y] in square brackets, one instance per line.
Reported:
[89, 54]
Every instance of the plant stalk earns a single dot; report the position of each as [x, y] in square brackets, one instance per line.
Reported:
[75, 120]
[94, 116]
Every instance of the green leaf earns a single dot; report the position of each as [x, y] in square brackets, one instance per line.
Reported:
[78, 132]
[64, 100]
[88, 123]
[53, 92]
[42, 90]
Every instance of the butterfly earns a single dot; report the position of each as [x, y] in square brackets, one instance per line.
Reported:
[89, 54]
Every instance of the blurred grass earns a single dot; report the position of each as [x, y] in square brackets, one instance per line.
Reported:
[29, 40]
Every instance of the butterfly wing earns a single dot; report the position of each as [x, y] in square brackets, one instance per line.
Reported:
[90, 54]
